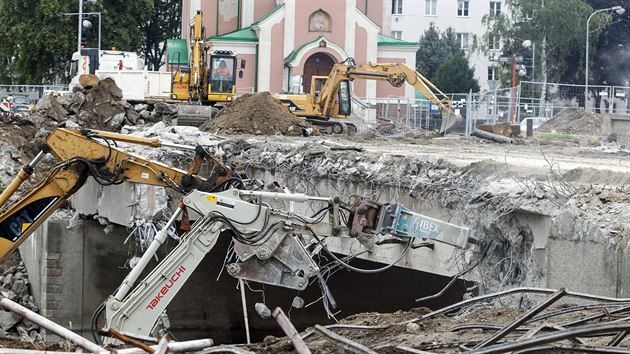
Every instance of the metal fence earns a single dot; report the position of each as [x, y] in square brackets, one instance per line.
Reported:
[528, 99]
[32, 91]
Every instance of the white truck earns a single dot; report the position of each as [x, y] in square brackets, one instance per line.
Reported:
[137, 84]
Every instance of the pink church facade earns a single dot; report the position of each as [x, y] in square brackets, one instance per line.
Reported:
[285, 42]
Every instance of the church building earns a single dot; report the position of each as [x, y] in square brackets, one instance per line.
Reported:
[285, 42]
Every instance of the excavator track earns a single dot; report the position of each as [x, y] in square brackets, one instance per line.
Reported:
[333, 127]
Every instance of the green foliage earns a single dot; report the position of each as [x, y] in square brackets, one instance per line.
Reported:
[556, 27]
[36, 43]
[163, 24]
[456, 75]
[435, 48]
[122, 23]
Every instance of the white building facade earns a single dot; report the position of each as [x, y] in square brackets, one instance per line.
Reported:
[410, 18]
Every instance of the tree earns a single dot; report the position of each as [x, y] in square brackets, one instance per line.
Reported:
[558, 29]
[456, 75]
[435, 48]
[163, 24]
[123, 20]
[36, 42]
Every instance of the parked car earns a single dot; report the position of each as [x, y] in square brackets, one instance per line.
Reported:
[537, 122]
[22, 104]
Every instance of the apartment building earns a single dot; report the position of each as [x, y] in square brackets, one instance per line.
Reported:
[410, 18]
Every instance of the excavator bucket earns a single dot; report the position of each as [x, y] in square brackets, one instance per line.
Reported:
[195, 115]
[449, 120]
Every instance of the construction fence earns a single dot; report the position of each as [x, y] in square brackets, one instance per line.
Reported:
[528, 99]
[32, 91]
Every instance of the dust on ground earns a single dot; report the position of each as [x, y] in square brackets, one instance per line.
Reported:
[259, 114]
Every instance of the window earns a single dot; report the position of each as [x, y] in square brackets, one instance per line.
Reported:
[494, 43]
[397, 7]
[430, 7]
[397, 34]
[462, 7]
[492, 73]
[462, 40]
[495, 8]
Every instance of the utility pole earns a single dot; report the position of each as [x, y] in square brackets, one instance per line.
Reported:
[80, 25]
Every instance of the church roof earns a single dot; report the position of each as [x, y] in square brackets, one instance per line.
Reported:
[242, 35]
[387, 41]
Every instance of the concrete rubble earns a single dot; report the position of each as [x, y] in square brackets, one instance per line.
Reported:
[543, 217]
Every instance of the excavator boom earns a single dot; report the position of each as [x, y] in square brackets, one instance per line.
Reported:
[332, 98]
[84, 153]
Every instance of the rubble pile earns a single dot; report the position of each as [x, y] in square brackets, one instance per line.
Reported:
[15, 286]
[259, 114]
[98, 104]
[577, 121]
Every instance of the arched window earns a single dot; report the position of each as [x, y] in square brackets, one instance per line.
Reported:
[319, 21]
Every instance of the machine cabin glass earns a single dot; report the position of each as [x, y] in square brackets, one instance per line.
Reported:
[222, 74]
[345, 103]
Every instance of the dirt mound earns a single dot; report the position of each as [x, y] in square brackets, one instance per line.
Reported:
[576, 121]
[257, 113]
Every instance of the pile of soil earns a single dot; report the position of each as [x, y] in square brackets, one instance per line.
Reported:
[259, 114]
[577, 121]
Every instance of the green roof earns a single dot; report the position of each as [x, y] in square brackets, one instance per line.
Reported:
[387, 41]
[243, 35]
[294, 53]
[177, 50]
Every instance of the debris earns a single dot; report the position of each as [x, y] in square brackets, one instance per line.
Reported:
[492, 137]
[51, 326]
[342, 342]
[259, 114]
[290, 331]
[504, 129]
[577, 121]
[263, 310]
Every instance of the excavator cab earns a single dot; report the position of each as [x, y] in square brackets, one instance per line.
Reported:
[222, 76]
[343, 106]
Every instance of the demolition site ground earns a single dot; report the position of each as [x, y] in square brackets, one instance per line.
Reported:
[568, 171]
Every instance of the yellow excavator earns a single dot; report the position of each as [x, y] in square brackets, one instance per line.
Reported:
[209, 80]
[84, 153]
[331, 97]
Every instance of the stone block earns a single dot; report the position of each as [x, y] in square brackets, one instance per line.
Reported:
[53, 255]
[53, 288]
[55, 272]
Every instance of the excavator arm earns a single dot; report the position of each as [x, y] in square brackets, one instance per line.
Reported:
[84, 153]
[396, 74]
[273, 246]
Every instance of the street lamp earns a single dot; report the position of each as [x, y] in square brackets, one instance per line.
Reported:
[526, 44]
[619, 10]
[85, 23]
